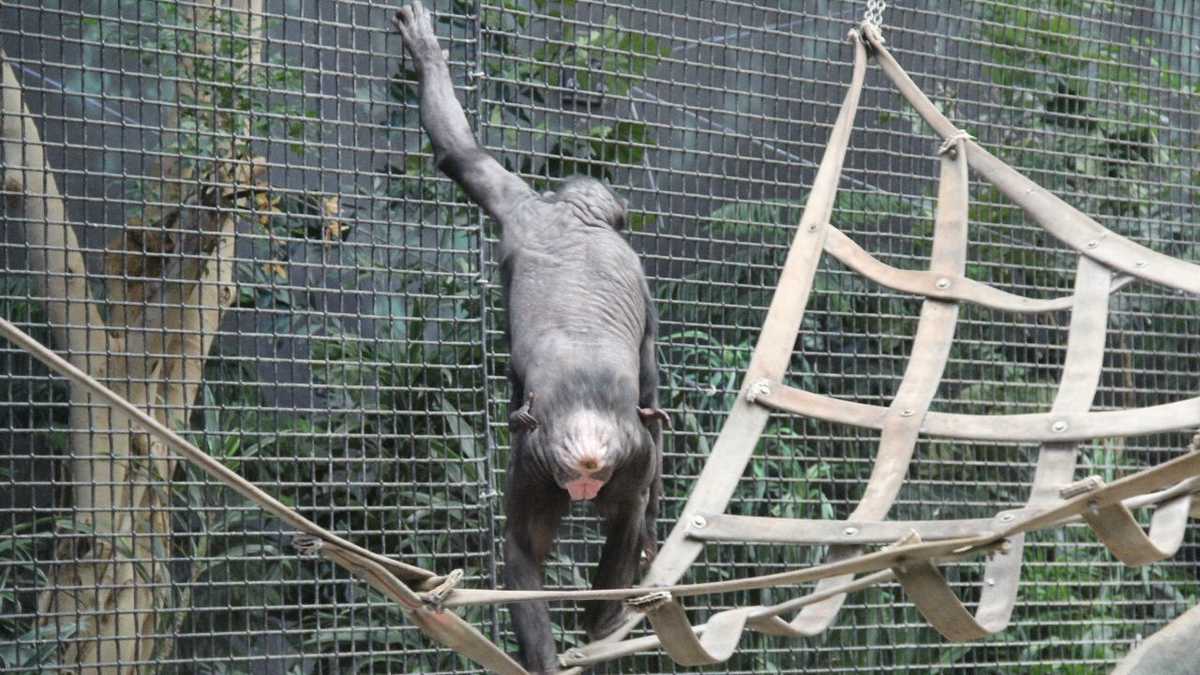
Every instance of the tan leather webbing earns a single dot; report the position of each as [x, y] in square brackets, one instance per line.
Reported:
[1107, 262]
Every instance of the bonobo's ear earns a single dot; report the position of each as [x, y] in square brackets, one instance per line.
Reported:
[648, 415]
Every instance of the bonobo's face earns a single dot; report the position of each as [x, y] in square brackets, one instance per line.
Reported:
[595, 203]
[583, 448]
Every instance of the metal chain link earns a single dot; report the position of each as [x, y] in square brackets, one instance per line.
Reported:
[874, 13]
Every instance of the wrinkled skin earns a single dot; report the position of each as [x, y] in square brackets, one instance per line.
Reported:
[582, 326]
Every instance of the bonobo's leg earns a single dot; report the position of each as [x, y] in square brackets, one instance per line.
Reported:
[649, 535]
[652, 416]
[623, 513]
[454, 146]
[533, 511]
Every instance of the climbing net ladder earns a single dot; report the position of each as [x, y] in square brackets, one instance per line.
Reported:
[911, 550]
[1107, 262]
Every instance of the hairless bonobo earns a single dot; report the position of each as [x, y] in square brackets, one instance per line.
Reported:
[581, 325]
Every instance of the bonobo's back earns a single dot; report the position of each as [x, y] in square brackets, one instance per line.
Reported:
[576, 289]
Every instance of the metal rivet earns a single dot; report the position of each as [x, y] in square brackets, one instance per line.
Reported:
[699, 522]
[850, 531]
[812, 228]
[1059, 427]
[991, 582]
[907, 412]
[943, 283]
[1093, 244]
[760, 388]
[1006, 518]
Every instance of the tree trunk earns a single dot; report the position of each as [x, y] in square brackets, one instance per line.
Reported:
[111, 581]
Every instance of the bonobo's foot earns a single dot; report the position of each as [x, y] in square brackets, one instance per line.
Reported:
[522, 418]
[650, 414]
[610, 618]
[416, 30]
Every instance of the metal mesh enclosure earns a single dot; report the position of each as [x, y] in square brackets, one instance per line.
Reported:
[241, 228]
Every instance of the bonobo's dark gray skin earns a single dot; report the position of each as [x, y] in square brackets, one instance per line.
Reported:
[582, 326]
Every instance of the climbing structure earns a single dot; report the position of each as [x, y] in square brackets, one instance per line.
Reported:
[1106, 263]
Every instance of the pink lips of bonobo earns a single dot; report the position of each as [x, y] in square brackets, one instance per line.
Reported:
[583, 489]
[586, 440]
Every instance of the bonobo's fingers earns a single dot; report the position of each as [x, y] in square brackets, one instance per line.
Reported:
[416, 31]
[650, 414]
[522, 418]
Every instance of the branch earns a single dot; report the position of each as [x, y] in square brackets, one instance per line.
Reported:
[74, 319]
[32, 190]
[194, 320]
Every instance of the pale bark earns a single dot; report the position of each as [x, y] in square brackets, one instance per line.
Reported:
[111, 580]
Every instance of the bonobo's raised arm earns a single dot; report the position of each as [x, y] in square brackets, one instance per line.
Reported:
[454, 146]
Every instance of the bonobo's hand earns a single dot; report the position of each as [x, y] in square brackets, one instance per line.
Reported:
[416, 30]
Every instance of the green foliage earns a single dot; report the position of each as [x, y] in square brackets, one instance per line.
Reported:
[199, 57]
[24, 646]
[528, 94]
[1092, 122]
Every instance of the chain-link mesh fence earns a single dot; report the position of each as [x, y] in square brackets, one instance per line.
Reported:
[240, 227]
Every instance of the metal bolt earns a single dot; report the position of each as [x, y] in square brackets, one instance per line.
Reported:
[1006, 518]
[1093, 244]
[760, 388]
[812, 228]
[699, 522]
[850, 531]
[943, 283]
[907, 412]
[1059, 427]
